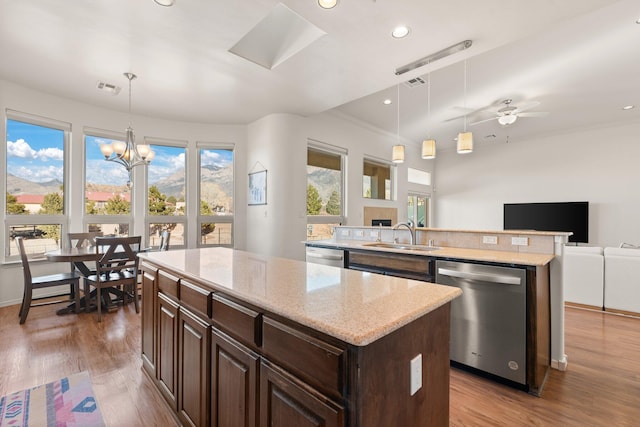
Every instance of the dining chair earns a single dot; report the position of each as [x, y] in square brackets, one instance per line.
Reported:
[81, 240]
[117, 267]
[38, 282]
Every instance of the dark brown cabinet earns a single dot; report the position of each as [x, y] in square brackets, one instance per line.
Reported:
[234, 382]
[193, 369]
[149, 291]
[285, 402]
[167, 332]
[220, 361]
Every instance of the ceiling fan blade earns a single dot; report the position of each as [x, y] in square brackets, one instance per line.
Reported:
[482, 121]
[529, 105]
[534, 114]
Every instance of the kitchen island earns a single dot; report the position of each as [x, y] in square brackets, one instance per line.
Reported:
[235, 338]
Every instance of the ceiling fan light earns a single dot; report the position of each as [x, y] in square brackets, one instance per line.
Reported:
[164, 2]
[397, 156]
[327, 4]
[465, 142]
[429, 149]
[507, 119]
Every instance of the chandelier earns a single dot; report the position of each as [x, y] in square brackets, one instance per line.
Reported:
[127, 153]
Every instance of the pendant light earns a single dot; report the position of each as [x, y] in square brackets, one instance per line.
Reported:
[465, 139]
[397, 155]
[429, 145]
[128, 153]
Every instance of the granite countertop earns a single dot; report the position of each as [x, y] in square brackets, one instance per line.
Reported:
[503, 257]
[353, 306]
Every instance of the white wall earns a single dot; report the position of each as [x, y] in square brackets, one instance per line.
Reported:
[599, 165]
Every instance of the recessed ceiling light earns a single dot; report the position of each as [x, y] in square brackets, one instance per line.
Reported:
[327, 4]
[400, 32]
[628, 107]
[387, 102]
[165, 2]
[638, 21]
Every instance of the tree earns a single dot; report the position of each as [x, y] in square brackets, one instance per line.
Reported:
[314, 202]
[51, 205]
[333, 205]
[158, 203]
[205, 228]
[15, 208]
[117, 206]
[90, 207]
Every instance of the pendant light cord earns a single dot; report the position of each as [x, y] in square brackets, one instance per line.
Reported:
[398, 96]
[465, 95]
[429, 104]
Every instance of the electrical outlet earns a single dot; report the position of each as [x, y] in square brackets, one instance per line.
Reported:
[345, 233]
[520, 241]
[490, 240]
[373, 233]
[359, 233]
[416, 374]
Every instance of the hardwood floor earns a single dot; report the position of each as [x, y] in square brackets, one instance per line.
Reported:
[600, 388]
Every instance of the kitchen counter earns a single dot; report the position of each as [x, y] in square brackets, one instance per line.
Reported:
[235, 338]
[354, 307]
[502, 257]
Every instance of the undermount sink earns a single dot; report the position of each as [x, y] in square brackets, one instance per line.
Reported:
[402, 246]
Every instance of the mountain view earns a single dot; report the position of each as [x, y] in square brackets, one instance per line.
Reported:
[17, 186]
[325, 181]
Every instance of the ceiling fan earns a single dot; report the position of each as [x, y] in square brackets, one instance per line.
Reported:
[507, 114]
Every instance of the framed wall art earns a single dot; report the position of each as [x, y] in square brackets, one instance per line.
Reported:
[258, 188]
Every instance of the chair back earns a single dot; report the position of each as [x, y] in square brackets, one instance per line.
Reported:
[81, 240]
[119, 257]
[26, 270]
[164, 240]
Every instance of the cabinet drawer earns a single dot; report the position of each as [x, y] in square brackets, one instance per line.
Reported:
[316, 362]
[195, 297]
[241, 322]
[168, 284]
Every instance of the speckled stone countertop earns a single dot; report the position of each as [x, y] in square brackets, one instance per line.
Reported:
[502, 257]
[353, 306]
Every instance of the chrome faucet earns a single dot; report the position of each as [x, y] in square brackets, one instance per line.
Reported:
[409, 226]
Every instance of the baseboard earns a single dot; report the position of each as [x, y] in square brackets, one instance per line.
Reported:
[560, 365]
[622, 312]
[584, 306]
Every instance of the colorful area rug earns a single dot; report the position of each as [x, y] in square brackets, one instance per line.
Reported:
[68, 402]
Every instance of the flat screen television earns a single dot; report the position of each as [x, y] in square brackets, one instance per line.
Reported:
[562, 216]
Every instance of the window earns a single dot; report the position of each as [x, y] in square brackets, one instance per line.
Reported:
[418, 209]
[35, 182]
[325, 189]
[376, 180]
[107, 204]
[166, 192]
[215, 215]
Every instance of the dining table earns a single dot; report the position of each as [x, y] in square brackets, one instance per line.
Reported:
[79, 258]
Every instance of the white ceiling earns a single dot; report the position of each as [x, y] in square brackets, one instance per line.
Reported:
[579, 58]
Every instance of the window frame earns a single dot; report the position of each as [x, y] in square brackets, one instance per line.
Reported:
[88, 219]
[335, 151]
[61, 220]
[218, 219]
[167, 219]
[392, 176]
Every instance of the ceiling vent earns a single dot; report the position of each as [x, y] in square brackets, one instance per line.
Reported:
[418, 81]
[109, 88]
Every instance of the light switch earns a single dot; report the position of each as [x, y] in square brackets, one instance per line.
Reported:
[416, 374]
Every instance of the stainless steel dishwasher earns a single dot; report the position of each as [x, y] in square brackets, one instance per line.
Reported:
[488, 322]
[325, 256]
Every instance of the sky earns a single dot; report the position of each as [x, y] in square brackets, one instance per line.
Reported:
[35, 153]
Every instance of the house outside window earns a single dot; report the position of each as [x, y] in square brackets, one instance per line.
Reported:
[36, 183]
[107, 197]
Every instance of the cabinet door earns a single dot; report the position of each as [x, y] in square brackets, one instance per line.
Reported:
[234, 382]
[286, 402]
[193, 378]
[167, 348]
[149, 291]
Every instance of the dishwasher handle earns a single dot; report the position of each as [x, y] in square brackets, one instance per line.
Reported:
[484, 277]
[324, 256]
